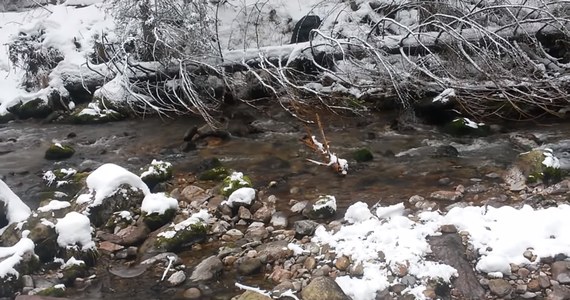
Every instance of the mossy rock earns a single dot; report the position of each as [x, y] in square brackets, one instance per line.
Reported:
[36, 108]
[10, 285]
[72, 272]
[45, 238]
[182, 238]
[59, 152]
[233, 182]
[116, 220]
[466, 127]
[156, 172]
[7, 118]
[215, 174]
[532, 166]
[82, 118]
[156, 220]
[362, 155]
[54, 291]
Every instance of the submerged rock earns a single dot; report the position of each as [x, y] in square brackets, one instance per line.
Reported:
[208, 269]
[58, 151]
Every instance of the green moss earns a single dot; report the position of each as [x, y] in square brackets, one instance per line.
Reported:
[234, 182]
[53, 291]
[59, 152]
[36, 108]
[214, 174]
[185, 237]
[155, 220]
[7, 118]
[461, 127]
[362, 155]
[72, 272]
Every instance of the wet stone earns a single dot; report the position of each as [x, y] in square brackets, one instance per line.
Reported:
[177, 278]
[305, 227]
[248, 266]
[561, 272]
[299, 206]
[500, 287]
[192, 293]
[534, 285]
[451, 196]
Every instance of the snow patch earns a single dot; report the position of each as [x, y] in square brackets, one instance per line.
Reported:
[16, 210]
[243, 196]
[54, 205]
[105, 181]
[74, 230]
[158, 203]
[11, 256]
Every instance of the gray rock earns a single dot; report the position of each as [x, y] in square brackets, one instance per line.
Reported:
[274, 250]
[409, 280]
[500, 287]
[448, 248]
[560, 271]
[248, 266]
[177, 278]
[323, 288]
[305, 227]
[263, 214]
[194, 194]
[451, 196]
[559, 293]
[192, 293]
[28, 281]
[207, 269]
[299, 206]
[244, 213]
[256, 232]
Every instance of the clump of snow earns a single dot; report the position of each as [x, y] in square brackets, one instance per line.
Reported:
[200, 217]
[236, 178]
[11, 256]
[326, 201]
[72, 262]
[243, 196]
[54, 205]
[158, 203]
[357, 213]
[467, 122]
[16, 210]
[550, 160]
[125, 214]
[74, 231]
[93, 109]
[444, 96]
[157, 167]
[390, 211]
[297, 250]
[106, 180]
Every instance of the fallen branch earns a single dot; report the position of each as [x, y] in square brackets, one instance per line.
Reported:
[339, 165]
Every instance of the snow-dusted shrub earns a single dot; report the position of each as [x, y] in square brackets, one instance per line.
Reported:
[28, 53]
[163, 29]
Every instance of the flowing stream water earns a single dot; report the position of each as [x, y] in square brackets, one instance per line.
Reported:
[416, 162]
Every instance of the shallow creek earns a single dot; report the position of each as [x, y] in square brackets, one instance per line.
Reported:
[404, 165]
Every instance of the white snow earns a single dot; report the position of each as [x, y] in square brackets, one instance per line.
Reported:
[54, 205]
[16, 210]
[72, 262]
[550, 160]
[156, 167]
[500, 236]
[297, 250]
[444, 96]
[11, 256]
[74, 230]
[357, 213]
[325, 201]
[105, 181]
[158, 203]
[244, 196]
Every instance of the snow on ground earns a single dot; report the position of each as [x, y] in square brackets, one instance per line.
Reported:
[500, 235]
[16, 210]
[63, 28]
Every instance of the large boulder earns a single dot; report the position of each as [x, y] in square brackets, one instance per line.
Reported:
[323, 288]
[532, 167]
